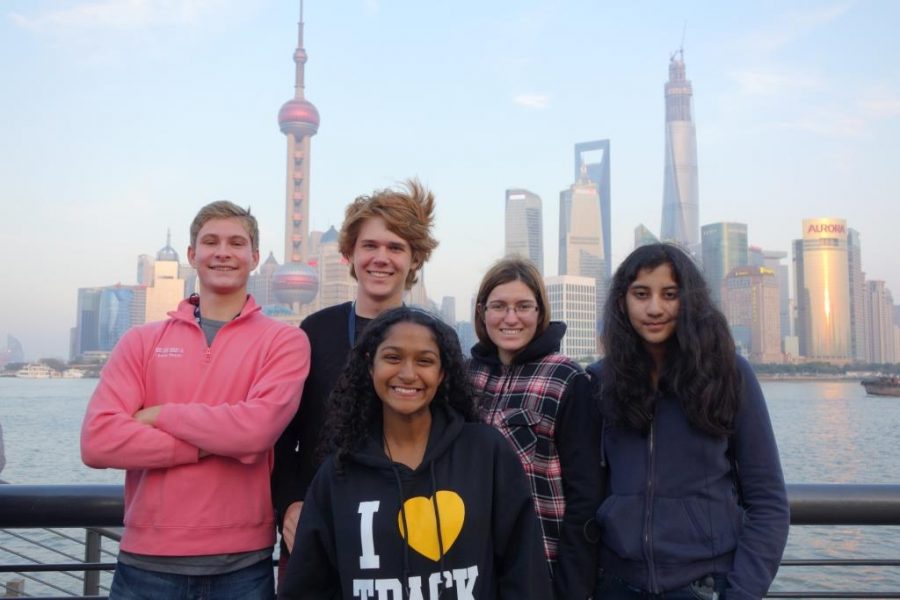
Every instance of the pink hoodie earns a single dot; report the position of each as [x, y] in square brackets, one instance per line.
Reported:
[231, 399]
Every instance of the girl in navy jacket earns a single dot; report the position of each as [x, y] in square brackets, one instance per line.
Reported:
[696, 504]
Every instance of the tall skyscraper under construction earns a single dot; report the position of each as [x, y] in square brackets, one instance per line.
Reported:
[681, 204]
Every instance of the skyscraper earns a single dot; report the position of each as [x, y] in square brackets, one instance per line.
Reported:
[724, 248]
[879, 323]
[859, 347]
[581, 247]
[573, 301]
[681, 204]
[643, 236]
[299, 121]
[594, 157]
[751, 305]
[772, 260]
[823, 290]
[524, 226]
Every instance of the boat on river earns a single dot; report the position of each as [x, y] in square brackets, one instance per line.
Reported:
[882, 386]
[36, 371]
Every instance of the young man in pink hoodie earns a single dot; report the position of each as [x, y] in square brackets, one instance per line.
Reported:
[191, 407]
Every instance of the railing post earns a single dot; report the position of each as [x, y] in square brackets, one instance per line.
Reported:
[92, 541]
[15, 588]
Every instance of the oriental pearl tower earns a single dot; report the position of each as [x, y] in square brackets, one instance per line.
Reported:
[296, 282]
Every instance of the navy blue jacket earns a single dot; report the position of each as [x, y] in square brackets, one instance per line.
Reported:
[673, 513]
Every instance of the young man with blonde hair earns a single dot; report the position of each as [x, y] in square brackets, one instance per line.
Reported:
[191, 407]
[386, 238]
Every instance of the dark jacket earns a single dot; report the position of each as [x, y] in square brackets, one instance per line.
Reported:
[295, 451]
[349, 538]
[542, 405]
[673, 513]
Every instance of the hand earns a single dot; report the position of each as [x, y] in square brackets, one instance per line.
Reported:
[147, 416]
[289, 525]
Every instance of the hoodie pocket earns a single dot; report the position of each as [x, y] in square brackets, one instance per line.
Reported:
[621, 521]
[691, 529]
[520, 425]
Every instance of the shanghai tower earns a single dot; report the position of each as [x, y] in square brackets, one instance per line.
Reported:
[680, 213]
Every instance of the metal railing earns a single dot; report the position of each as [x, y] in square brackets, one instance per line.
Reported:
[97, 507]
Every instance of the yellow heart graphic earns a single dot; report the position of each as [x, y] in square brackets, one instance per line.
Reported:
[423, 524]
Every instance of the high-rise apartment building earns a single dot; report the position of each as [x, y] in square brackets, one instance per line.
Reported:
[121, 307]
[581, 247]
[823, 290]
[336, 285]
[681, 204]
[448, 310]
[751, 304]
[772, 260]
[879, 323]
[166, 288]
[859, 347]
[524, 226]
[592, 160]
[260, 284]
[86, 337]
[573, 301]
[643, 236]
[724, 248]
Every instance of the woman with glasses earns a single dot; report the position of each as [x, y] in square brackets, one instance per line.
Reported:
[539, 399]
[697, 506]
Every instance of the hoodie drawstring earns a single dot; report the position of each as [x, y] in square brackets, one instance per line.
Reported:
[437, 520]
[405, 586]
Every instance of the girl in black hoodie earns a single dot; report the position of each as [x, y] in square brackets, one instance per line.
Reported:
[407, 455]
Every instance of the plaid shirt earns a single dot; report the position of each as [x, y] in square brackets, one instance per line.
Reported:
[523, 402]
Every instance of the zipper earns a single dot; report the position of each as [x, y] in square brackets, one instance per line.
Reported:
[648, 511]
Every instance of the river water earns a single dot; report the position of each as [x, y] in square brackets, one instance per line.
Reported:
[827, 432]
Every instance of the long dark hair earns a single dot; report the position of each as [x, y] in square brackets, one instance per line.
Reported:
[353, 406]
[700, 367]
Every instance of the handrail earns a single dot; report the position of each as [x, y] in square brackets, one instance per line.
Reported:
[98, 506]
[24, 506]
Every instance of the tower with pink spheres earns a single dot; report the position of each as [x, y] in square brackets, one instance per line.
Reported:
[296, 282]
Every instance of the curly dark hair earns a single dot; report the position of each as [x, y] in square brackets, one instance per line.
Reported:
[353, 406]
[700, 366]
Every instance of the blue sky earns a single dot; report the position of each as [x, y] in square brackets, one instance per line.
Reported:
[122, 117]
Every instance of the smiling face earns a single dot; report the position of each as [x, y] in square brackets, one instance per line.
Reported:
[652, 303]
[406, 370]
[223, 257]
[381, 261]
[510, 318]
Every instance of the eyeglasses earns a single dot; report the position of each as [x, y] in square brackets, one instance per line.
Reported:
[502, 308]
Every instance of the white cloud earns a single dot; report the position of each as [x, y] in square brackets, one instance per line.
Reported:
[534, 101]
[881, 105]
[794, 25]
[768, 82]
[117, 15]
[829, 123]
[371, 6]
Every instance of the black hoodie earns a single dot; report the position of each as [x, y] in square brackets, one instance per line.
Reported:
[349, 543]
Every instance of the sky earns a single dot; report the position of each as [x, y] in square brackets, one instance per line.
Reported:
[121, 118]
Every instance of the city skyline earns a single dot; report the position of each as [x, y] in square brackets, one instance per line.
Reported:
[139, 115]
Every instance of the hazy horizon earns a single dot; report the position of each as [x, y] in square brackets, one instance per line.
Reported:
[123, 118]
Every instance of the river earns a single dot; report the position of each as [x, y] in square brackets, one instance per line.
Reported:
[827, 432]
